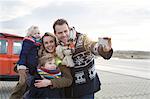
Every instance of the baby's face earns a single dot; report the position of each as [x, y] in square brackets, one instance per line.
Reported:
[36, 35]
[50, 66]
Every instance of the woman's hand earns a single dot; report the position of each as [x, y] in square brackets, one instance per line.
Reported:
[42, 83]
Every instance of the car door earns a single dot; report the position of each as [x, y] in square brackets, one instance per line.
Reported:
[5, 56]
[16, 49]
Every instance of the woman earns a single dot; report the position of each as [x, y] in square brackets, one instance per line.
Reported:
[49, 88]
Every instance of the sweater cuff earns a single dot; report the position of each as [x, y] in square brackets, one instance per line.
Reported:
[21, 67]
[95, 49]
[53, 84]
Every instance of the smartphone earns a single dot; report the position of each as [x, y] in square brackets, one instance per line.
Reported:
[103, 41]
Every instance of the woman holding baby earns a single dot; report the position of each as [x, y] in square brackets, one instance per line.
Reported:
[51, 76]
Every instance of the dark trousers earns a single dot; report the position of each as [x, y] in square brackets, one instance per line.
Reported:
[89, 96]
[44, 93]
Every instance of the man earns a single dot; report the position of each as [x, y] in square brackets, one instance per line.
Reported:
[85, 79]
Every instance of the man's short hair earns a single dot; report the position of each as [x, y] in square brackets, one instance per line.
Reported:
[59, 22]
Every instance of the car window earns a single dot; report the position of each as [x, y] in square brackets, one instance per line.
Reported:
[17, 47]
[3, 46]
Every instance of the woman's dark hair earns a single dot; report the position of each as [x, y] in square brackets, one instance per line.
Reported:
[59, 22]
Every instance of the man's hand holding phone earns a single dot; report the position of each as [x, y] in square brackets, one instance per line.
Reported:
[105, 42]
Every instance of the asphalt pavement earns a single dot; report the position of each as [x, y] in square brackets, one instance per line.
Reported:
[114, 86]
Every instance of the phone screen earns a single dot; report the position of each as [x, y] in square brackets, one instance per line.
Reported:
[103, 41]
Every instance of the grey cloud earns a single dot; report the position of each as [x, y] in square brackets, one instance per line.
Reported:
[10, 5]
[82, 15]
[44, 14]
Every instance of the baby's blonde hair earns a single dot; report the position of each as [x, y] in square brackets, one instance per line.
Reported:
[33, 29]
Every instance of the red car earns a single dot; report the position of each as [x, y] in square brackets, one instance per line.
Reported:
[10, 47]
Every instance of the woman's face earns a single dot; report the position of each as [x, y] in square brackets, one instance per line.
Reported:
[49, 44]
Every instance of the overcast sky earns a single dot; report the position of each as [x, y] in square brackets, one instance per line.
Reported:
[127, 22]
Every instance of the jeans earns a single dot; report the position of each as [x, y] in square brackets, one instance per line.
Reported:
[89, 96]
